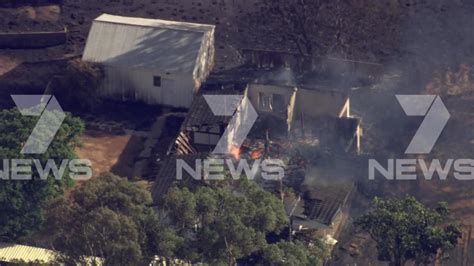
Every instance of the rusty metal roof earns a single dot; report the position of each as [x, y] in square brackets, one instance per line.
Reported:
[200, 114]
[13, 252]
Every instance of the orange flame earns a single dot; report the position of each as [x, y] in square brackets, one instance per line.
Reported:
[256, 154]
[235, 151]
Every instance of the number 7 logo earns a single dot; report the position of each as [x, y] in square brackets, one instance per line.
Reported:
[243, 115]
[436, 117]
[51, 117]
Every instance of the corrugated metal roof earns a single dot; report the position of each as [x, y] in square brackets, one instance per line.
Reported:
[323, 201]
[12, 252]
[200, 114]
[159, 23]
[168, 46]
[15, 253]
[320, 202]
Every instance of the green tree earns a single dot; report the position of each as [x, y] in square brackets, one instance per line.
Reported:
[406, 230]
[109, 217]
[295, 253]
[22, 201]
[223, 224]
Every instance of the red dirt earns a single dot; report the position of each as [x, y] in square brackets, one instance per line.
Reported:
[109, 152]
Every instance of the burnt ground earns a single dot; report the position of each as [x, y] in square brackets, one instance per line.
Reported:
[31, 18]
[422, 37]
[388, 131]
[240, 24]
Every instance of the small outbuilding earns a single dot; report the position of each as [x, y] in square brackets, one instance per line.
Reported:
[151, 60]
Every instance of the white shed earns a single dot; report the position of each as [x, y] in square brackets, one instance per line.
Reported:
[151, 60]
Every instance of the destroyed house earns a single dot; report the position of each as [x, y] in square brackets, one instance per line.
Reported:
[292, 102]
[202, 129]
[309, 113]
[151, 60]
[297, 113]
[319, 206]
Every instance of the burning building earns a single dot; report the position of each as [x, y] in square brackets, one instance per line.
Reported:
[284, 112]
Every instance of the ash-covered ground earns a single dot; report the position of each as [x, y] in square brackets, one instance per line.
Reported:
[422, 45]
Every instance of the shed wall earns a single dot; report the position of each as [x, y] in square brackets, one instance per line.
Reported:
[137, 85]
[205, 60]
